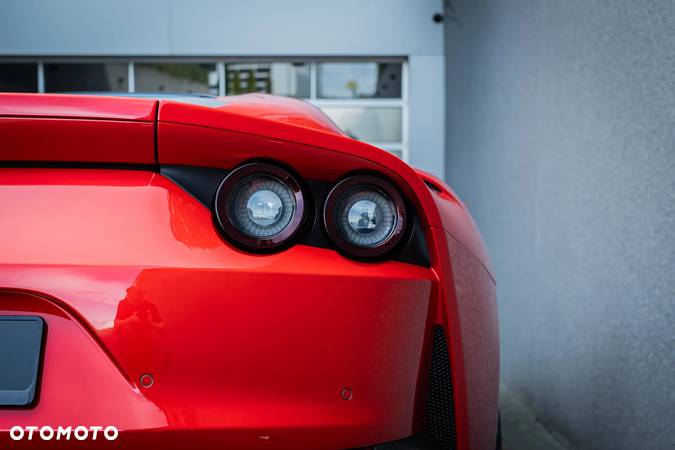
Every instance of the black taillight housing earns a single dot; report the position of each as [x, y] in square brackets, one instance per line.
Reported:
[260, 207]
[365, 216]
[313, 222]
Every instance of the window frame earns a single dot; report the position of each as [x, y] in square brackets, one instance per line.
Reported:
[401, 147]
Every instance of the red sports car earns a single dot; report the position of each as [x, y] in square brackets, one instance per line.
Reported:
[233, 272]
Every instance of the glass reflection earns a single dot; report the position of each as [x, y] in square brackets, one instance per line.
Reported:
[176, 78]
[362, 216]
[69, 77]
[359, 80]
[18, 77]
[368, 124]
[264, 208]
[279, 78]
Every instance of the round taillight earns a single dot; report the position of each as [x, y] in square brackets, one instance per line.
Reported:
[365, 216]
[260, 206]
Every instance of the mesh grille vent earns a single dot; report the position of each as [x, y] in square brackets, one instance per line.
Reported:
[440, 404]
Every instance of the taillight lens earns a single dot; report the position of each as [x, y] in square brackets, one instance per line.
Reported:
[365, 216]
[260, 206]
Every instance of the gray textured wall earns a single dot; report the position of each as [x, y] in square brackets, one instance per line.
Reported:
[561, 139]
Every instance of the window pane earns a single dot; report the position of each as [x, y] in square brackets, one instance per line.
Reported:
[18, 77]
[359, 80]
[289, 79]
[367, 124]
[85, 77]
[176, 78]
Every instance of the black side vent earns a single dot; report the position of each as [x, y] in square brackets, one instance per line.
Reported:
[440, 404]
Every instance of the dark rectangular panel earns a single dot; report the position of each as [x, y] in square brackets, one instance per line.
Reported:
[20, 349]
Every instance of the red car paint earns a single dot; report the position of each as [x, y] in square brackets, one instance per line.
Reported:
[246, 351]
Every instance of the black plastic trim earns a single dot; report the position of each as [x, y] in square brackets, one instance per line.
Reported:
[203, 182]
[440, 401]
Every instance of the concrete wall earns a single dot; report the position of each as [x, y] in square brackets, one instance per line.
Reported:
[401, 28]
[561, 139]
[220, 27]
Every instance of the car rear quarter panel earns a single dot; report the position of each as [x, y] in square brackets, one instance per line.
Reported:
[469, 313]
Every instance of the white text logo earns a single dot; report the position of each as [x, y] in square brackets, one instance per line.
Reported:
[48, 433]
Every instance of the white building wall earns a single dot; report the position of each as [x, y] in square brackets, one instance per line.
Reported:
[248, 28]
